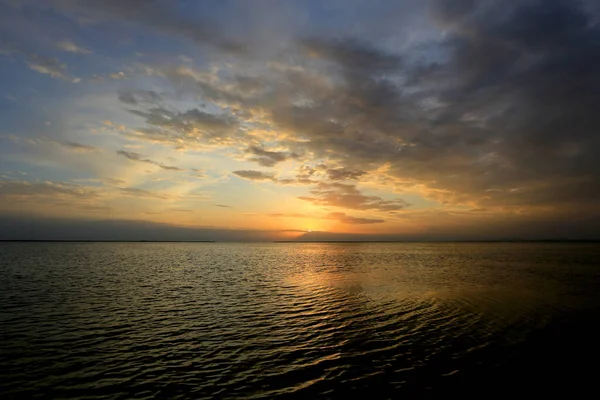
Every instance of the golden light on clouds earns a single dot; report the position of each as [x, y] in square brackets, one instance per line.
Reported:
[286, 129]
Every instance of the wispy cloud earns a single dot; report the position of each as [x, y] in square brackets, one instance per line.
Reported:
[45, 188]
[135, 97]
[69, 46]
[117, 75]
[158, 16]
[187, 128]
[341, 174]
[142, 193]
[338, 216]
[50, 66]
[268, 158]
[76, 147]
[347, 219]
[254, 175]
[288, 215]
[63, 143]
[140, 158]
[348, 196]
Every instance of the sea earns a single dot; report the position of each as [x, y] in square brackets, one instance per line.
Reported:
[299, 320]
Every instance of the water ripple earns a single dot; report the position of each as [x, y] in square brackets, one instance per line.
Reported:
[291, 321]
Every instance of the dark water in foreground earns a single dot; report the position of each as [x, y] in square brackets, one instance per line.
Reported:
[212, 320]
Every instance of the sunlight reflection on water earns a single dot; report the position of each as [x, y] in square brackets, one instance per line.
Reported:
[266, 320]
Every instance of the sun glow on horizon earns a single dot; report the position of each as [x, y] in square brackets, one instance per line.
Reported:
[302, 133]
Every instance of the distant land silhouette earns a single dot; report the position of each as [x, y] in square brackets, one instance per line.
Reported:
[28, 228]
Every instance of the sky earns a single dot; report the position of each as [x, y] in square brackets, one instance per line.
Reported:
[299, 120]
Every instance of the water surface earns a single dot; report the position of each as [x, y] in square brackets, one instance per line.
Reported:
[232, 320]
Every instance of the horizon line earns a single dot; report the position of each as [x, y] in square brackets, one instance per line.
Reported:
[307, 241]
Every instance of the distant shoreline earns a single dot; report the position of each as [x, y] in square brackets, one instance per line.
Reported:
[305, 241]
[445, 241]
[104, 241]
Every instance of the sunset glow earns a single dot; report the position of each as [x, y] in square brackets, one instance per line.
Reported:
[257, 117]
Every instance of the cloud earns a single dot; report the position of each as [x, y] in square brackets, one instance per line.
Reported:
[136, 192]
[339, 174]
[352, 54]
[93, 207]
[32, 227]
[77, 147]
[140, 158]
[42, 196]
[49, 66]
[135, 97]
[189, 127]
[348, 196]
[503, 100]
[157, 16]
[339, 216]
[267, 158]
[117, 75]
[494, 107]
[71, 47]
[222, 206]
[254, 175]
[104, 181]
[308, 175]
[519, 108]
[20, 188]
[65, 144]
[347, 219]
[292, 215]
[295, 181]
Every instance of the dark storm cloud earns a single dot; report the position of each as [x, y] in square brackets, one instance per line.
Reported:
[508, 117]
[348, 196]
[140, 158]
[527, 73]
[358, 113]
[352, 55]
